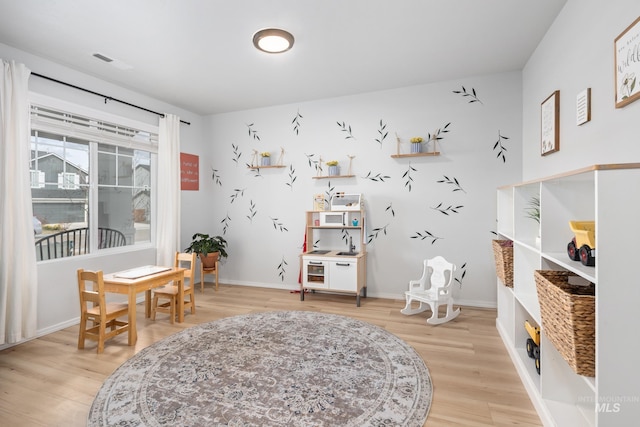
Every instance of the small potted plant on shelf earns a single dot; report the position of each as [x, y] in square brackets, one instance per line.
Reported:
[533, 211]
[209, 248]
[416, 144]
[265, 158]
[334, 169]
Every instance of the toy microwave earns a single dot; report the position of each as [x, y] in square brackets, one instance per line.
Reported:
[329, 219]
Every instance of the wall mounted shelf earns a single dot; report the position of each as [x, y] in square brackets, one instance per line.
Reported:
[266, 167]
[333, 176]
[433, 139]
[431, 153]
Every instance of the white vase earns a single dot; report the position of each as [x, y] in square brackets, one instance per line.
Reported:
[334, 170]
[266, 161]
[416, 147]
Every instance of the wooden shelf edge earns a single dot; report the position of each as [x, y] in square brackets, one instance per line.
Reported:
[265, 167]
[598, 167]
[432, 153]
[332, 176]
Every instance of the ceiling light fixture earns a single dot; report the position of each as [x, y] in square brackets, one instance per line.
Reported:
[273, 40]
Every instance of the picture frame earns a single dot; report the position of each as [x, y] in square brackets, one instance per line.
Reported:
[550, 124]
[627, 64]
[583, 107]
[189, 172]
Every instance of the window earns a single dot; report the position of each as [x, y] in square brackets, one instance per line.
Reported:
[91, 182]
[37, 179]
[68, 181]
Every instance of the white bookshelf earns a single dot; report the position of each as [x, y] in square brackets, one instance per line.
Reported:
[610, 195]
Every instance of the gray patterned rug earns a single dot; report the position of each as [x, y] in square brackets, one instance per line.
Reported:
[287, 368]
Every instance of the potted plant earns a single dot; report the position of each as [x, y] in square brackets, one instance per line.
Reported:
[533, 209]
[334, 169]
[266, 158]
[209, 248]
[416, 144]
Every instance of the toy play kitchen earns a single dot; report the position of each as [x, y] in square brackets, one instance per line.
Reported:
[336, 260]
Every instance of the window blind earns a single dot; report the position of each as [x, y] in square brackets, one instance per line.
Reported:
[59, 122]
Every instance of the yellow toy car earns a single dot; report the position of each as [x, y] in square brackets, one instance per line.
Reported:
[583, 246]
[533, 343]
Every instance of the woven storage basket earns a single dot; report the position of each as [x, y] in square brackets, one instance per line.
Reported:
[504, 261]
[568, 318]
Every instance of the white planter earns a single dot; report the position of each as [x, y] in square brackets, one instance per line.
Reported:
[334, 170]
[265, 161]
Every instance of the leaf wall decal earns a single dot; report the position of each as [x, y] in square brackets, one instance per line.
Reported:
[501, 148]
[347, 130]
[376, 178]
[452, 181]
[296, 122]
[426, 235]
[236, 153]
[472, 95]
[215, 177]
[253, 133]
[382, 133]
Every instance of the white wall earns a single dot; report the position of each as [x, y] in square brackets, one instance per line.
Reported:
[257, 248]
[577, 53]
[263, 255]
[57, 282]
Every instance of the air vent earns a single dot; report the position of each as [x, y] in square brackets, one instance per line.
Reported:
[102, 57]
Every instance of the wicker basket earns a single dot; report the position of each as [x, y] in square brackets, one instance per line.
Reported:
[503, 254]
[568, 318]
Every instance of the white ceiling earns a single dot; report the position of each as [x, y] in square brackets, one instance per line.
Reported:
[198, 54]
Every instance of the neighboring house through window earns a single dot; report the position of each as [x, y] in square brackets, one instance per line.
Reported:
[90, 175]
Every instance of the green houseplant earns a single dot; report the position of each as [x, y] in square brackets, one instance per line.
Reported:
[209, 248]
[533, 209]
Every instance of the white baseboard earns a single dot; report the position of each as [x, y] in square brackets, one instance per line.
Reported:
[384, 295]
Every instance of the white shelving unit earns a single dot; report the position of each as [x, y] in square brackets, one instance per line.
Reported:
[610, 195]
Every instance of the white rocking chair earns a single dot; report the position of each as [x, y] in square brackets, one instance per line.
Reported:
[432, 290]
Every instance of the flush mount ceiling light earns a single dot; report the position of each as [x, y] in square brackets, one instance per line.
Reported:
[273, 40]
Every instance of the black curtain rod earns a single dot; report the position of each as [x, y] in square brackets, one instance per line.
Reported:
[106, 97]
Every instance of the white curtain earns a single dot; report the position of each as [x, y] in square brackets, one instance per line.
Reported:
[168, 190]
[18, 273]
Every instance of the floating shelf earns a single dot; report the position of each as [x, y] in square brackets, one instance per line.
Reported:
[266, 167]
[333, 176]
[431, 153]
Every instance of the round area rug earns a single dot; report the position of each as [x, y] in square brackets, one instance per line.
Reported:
[286, 368]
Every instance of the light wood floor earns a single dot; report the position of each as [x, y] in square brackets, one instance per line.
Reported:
[49, 382]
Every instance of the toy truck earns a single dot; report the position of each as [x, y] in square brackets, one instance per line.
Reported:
[533, 343]
[583, 245]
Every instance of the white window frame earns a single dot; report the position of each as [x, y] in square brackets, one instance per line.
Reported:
[69, 129]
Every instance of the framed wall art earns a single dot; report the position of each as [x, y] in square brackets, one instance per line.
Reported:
[550, 124]
[627, 63]
[583, 107]
[189, 172]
